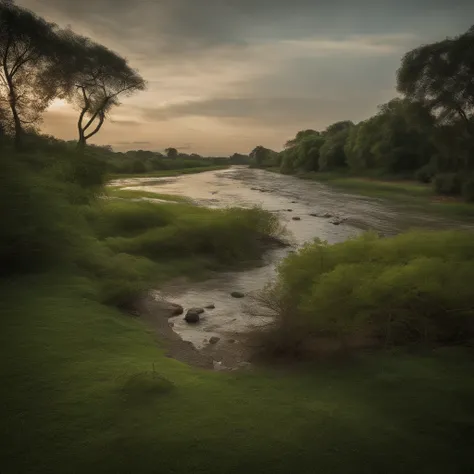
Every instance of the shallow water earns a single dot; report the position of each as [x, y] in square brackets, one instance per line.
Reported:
[244, 187]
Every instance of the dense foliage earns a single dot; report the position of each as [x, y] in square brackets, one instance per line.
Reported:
[427, 135]
[413, 288]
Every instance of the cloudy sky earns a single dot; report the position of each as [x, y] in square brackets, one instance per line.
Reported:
[227, 75]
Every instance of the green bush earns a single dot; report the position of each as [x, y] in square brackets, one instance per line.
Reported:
[448, 184]
[416, 287]
[425, 174]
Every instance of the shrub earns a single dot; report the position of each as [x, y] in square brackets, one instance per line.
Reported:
[415, 287]
[425, 174]
[447, 184]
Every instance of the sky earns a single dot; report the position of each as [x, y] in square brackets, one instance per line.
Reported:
[227, 75]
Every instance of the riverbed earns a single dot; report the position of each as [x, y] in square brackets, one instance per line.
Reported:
[300, 205]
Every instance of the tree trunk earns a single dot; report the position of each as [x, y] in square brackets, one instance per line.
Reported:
[16, 117]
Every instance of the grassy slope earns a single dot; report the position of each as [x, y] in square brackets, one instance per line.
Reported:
[404, 192]
[167, 173]
[76, 402]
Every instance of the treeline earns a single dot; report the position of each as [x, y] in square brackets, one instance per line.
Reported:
[426, 134]
[51, 150]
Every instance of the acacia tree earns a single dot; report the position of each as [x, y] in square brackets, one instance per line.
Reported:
[441, 76]
[27, 58]
[94, 80]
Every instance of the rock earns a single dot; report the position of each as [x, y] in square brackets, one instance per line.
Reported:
[176, 309]
[192, 317]
[296, 218]
[214, 340]
[313, 214]
[294, 202]
[218, 365]
[196, 310]
[211, 306]
[335, 223]
[327, 215]
[290, 210]
[237, 294]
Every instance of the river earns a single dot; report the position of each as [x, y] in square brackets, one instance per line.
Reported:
[287, 196]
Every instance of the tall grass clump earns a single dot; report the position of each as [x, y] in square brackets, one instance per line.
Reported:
[413, 288]
[163, 232]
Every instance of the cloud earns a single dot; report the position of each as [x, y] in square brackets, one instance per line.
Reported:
[126, 123]
[263, 112]
[133, 143]
[224, 73]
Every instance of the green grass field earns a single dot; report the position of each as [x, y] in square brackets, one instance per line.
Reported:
[90, 391]
[169, 173]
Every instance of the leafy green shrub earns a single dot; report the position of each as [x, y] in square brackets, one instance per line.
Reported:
[425, 174]
[410, 288]
[447, 184]
[468, 189]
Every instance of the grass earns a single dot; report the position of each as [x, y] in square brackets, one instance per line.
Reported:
[135, 245]
[168, 173]
[87, 389]
[137, 193]
[404, 192]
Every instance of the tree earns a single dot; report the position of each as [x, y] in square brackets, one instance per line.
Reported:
[299, 136]
[28, 46]
[338, 127]
[332, 154]
[262, 156]
[171, 153]
[239, 159]
[441, 76]
[398, 139]
[94, 80]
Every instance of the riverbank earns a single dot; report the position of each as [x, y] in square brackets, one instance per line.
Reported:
[409, 193]
[168, 173]
[113, 392]
[91, 388]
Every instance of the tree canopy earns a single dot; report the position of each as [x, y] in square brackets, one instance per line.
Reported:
[28, 56]
[94, 80]
[441, 76]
